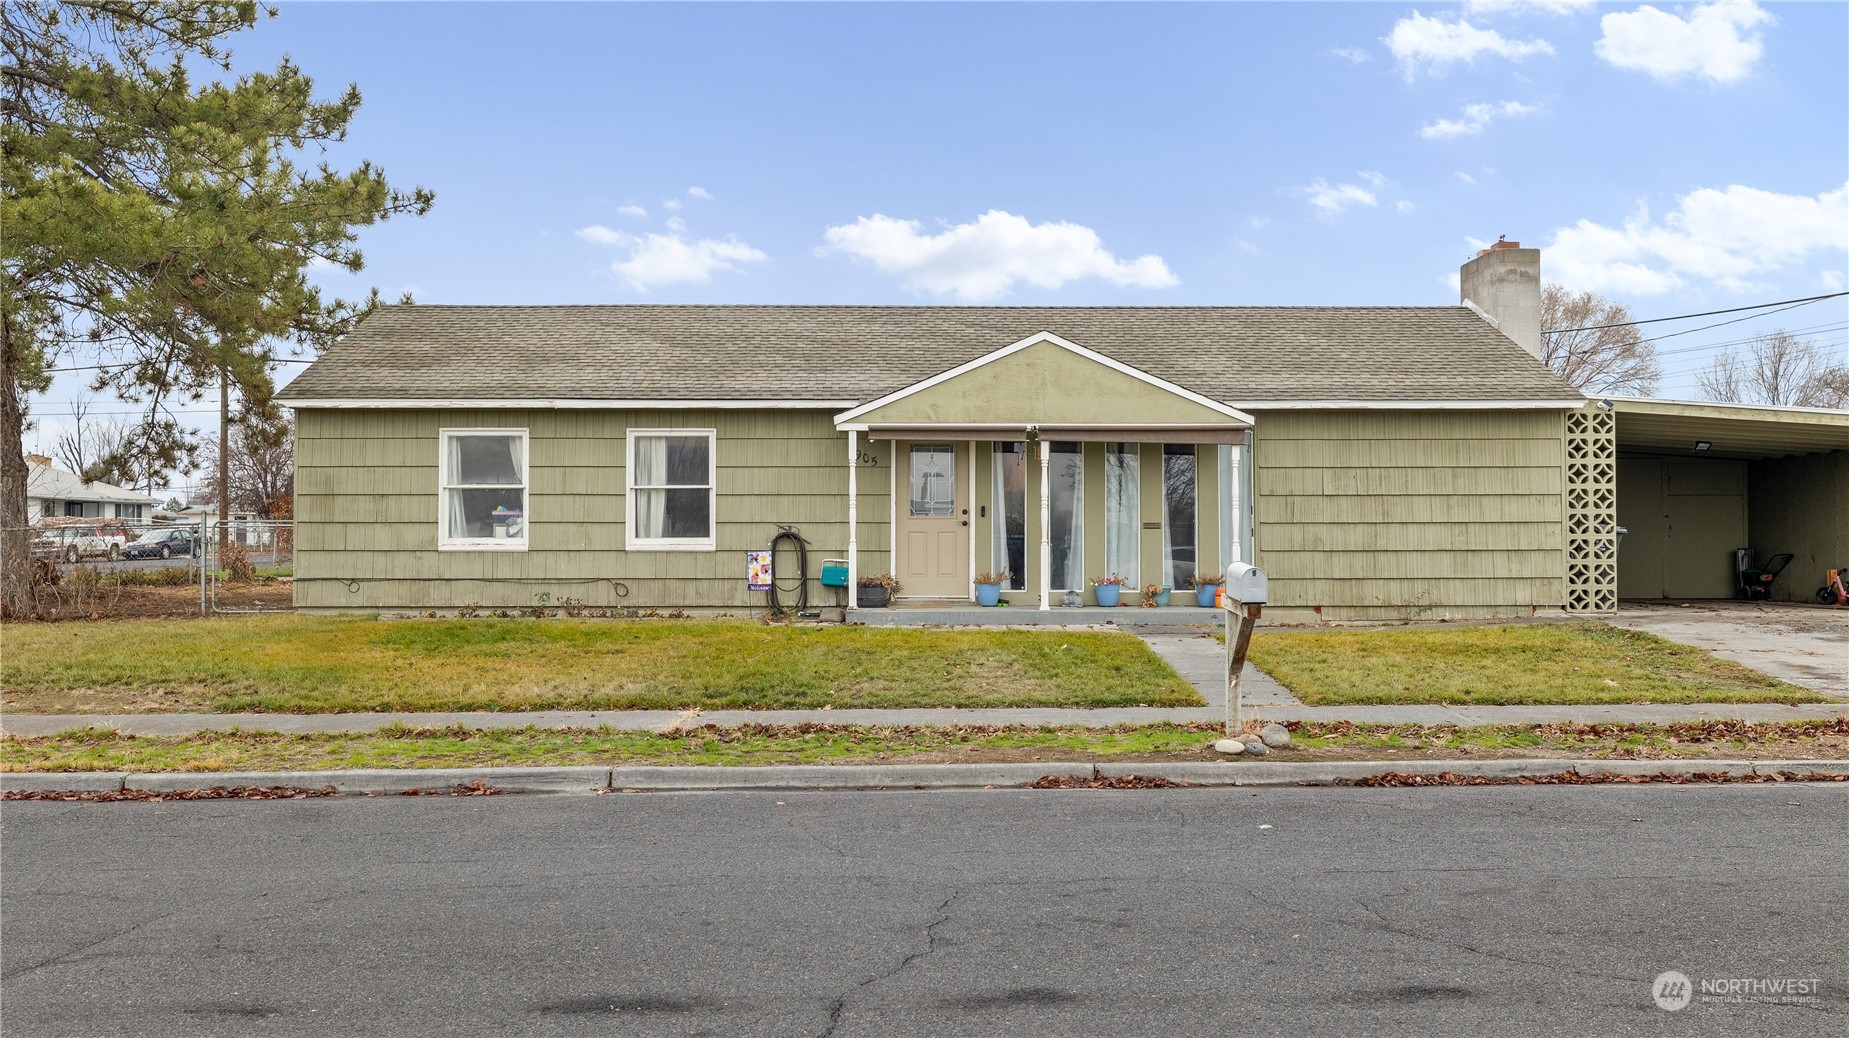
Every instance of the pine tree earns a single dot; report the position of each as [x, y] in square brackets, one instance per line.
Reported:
[159, 226]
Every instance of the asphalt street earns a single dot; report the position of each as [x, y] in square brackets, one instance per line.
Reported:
[1527, 911]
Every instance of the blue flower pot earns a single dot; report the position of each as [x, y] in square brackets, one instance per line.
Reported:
[1107, 594]
[1162, 596]
[988, 594]
[1203, 594]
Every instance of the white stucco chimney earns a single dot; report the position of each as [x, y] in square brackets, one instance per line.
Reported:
[1503, 282]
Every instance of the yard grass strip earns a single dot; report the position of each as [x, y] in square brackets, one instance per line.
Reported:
[329, 664]
[1522, 664]
[95, 749]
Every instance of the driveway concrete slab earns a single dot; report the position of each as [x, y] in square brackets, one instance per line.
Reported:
[1805, 645]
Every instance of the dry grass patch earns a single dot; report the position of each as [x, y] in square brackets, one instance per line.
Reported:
[1508, 664]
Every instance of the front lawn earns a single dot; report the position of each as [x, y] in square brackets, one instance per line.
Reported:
[1508, 664]
[309, 664]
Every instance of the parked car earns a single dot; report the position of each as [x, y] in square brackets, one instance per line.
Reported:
[160, 544]
[75, 541]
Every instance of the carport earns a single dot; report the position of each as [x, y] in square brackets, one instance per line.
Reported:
[1698, 480]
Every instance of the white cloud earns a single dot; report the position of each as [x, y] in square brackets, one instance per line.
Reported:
[1375, 179]
[1465, 177]
[1246, 246]
[1334, 199]
[1258, 221]
[1728, 237]
[1432, 44]
[987, 257]
[1718, 42]
[676, 224]
[666, 259]
[1404, 206]
[699, 192]
[672, 205]
[1492, 8]
[1352, 55]
[601, 235]
[1476, 119]
[632, 210]
[1831, 280]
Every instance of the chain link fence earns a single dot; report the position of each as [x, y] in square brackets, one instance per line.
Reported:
[96, 568]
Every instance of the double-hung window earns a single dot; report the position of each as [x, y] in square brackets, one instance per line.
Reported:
[483, 490]
[670, 484]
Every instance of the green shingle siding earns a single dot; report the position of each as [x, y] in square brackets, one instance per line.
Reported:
[367, 509]
[1382, 514]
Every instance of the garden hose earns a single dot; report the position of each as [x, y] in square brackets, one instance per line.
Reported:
[802, 563]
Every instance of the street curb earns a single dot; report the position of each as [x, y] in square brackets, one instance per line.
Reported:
[882, 776]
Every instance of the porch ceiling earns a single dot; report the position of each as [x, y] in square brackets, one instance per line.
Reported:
[1670, 427]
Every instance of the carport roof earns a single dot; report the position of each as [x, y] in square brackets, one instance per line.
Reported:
[1748, 431]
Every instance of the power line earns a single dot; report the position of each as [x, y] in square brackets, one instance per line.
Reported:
[1705, 313]
[132, 363]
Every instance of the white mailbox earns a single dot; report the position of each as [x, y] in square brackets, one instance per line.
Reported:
[1245, 584]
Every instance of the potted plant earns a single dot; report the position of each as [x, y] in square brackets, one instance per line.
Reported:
[989, 587]
[1107, 589]
[876, 591]
[1155, 595]
[1206, 586]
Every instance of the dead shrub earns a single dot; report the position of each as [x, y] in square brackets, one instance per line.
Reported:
[236, 559]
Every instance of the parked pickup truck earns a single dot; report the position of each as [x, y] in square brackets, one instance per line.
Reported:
[74, 542]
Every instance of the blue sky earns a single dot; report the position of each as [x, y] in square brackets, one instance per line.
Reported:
[1677, 158]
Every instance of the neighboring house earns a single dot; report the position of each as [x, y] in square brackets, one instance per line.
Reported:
[243, 526]
[1379, 462]
[53, 492]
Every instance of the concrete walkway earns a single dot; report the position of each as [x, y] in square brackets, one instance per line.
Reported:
[662, 720]
[1200, 658]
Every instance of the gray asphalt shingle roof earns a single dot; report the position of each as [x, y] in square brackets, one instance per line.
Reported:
[1232, 354]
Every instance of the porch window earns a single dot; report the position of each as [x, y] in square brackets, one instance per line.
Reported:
[482, 480]
[671, 490]
[1010, 504]
[1066, 475]
[128, 511]
[83, 509]
[1178, 514]
[1123, 527]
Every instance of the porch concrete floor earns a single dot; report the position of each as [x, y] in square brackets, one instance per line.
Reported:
[1805, 645]
[965, 614]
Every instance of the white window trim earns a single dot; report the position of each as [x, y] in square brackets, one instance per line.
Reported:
[447, 543]
[631, 542]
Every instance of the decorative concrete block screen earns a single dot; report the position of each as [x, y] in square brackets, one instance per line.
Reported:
[1592, 511]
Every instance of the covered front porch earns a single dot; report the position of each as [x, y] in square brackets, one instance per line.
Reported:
[1044, 467]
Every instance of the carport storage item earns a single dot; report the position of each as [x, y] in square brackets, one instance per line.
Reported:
[1756, 581]
[1832, 592]
[834, 573]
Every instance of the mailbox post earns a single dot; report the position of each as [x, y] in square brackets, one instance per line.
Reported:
[1246, 590]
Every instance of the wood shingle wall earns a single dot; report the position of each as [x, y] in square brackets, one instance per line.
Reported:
[1410, 514]
[366, 509]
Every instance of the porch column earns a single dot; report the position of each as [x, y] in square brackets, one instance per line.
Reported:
[853, 520]
[969, 519]
[1235, 506]
[1046, 526]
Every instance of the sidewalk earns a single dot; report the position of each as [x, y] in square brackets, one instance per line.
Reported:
[661, 720]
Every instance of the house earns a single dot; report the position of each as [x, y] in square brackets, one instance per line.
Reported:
[53, 492]
[1379, 462]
